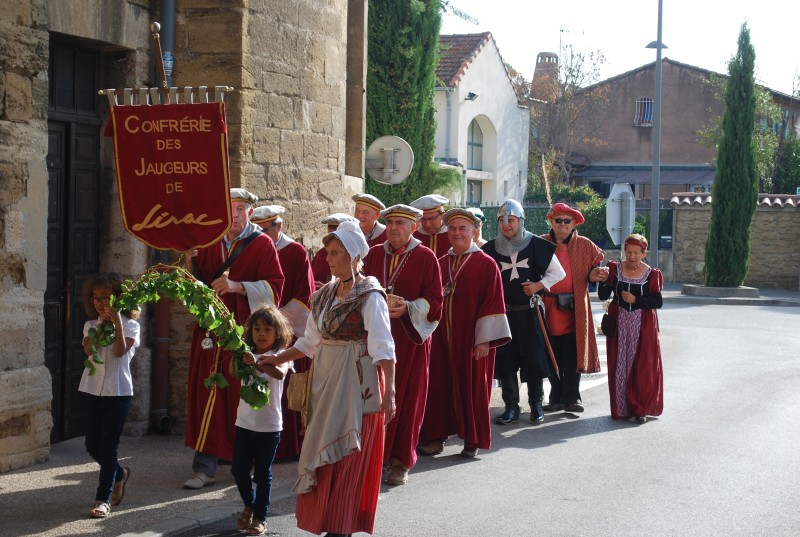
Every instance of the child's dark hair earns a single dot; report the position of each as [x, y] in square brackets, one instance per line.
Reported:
[113, 281]
[273, 318]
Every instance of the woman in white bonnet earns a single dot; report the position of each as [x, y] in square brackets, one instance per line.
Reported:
[352, 393]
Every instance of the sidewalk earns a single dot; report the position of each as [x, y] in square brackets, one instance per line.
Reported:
[767, 297]
[54, 498]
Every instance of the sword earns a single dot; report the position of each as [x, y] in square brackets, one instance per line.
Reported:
[536, 301]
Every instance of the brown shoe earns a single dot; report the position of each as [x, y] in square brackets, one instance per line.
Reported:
[257, 527]
[433, 447]
[118, 493]
[469, 452]
[245, 519]
[398, 475]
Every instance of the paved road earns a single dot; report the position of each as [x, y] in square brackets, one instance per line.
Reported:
[722, 460]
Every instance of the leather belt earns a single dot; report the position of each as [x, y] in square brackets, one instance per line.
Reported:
[521, 307]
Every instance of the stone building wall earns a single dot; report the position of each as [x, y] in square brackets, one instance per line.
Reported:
[286, 60]
[286, 118]
[774, 240]
[25, 391]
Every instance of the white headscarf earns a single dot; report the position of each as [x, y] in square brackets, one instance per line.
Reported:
[353, 239]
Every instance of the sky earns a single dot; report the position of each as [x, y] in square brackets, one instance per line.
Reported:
[702, 33]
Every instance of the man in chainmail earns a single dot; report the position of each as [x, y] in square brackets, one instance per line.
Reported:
[527, 267]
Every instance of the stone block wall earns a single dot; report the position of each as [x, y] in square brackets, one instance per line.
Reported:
[25, 390]
[286, 60]
[774, 243]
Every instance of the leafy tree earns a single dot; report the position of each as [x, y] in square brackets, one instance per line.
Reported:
[787, 166]
[559, 109]
[768, 115]
[401, 76]
[735, 187]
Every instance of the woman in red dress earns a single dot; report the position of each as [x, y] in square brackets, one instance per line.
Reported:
[635, 376]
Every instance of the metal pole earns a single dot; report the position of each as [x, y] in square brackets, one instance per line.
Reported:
[655, 195]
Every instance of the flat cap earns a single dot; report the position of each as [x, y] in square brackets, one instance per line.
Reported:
[243, 195]
[458, 212]
[337, 218]
[266, 213]
[369, 200]
[429, 202]
[402, 211]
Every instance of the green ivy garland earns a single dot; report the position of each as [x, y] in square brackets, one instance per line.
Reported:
[212, 315]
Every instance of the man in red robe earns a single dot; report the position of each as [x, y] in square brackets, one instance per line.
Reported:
[368, 209]
[569, 309]
[473, 324]
[410, 274]
[295, 304]
[244, 270]
[319, 265]
[432, 232]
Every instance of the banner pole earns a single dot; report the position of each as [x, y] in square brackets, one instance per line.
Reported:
[159, 60]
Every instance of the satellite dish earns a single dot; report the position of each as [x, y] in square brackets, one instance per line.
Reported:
[389, 160]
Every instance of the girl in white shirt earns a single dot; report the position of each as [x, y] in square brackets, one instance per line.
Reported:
[108, 384]
[259, 431]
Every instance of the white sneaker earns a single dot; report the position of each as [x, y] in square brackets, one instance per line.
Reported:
[198, 481]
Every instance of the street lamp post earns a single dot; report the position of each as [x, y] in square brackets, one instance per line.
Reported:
[656, 188]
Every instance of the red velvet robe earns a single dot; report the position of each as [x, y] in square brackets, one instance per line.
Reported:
[320, 267]
[439, 243]
[298, 287]
[211, 414]
[460, 387]
[417, 278]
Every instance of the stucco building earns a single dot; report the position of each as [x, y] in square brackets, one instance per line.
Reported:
[295, 134]
[482, 129]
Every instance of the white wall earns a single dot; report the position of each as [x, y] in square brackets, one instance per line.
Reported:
[506, 160]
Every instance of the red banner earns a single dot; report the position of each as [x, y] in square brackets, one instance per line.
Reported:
[172, 173]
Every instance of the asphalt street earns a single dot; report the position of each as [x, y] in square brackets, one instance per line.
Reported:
[721, 460]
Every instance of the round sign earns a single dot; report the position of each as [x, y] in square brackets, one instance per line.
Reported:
[389, 160]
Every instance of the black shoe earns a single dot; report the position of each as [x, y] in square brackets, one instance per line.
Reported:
[537, 412]
[574, 407]
[553, 407]
[511, 415]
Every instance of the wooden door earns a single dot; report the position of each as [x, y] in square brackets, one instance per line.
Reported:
[72, 227]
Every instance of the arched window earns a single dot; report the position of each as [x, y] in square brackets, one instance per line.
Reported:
[474, 146]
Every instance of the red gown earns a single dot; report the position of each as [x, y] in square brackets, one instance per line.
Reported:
[320, 267]
[211, 414]
[460, 387]
[377, 236]
[414, 275]
[296, 295]
[439, 243]
[635, 374]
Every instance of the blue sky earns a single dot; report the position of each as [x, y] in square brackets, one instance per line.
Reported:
[697, 32]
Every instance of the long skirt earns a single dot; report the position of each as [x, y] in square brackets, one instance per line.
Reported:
[345, 498]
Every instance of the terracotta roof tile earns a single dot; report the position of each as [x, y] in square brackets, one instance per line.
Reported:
[456, 52]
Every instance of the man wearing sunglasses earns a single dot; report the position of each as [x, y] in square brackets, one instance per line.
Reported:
[569, 311]
[527, 267]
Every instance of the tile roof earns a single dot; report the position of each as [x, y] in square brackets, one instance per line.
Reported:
[456, 53]
[704, 198]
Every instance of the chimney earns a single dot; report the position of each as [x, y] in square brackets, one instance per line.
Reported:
[544, 85]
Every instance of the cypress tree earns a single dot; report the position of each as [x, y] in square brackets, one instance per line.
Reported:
[735, 189]
[401, 75]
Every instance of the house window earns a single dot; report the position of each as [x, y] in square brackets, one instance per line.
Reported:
[474, 146]
[644, 112]
[474, 193]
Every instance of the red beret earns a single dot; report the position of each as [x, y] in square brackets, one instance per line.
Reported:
[563, 208]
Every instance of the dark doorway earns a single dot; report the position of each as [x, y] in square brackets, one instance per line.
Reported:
[72, 224]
